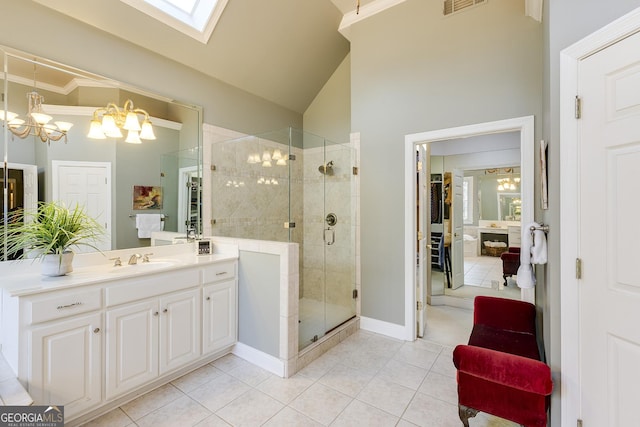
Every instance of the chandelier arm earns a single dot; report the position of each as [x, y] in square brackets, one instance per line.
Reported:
[21, 133]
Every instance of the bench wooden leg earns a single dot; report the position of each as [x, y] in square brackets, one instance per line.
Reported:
[465, 413]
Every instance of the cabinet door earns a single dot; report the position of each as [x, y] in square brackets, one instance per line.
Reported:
[132, 346]
[66, 363]
[219, 316]
[179, 329]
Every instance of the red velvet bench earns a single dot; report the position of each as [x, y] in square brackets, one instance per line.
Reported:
[500, 371]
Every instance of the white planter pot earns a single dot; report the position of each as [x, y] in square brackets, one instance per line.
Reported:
[57, 265]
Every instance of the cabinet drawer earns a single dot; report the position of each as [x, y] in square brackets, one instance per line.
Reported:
[59, 305]
[148, 286]
[220, 271]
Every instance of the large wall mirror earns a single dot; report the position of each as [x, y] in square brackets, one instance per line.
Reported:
[115, 178]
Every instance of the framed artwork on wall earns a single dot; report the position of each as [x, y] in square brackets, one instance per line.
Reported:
[147, 197]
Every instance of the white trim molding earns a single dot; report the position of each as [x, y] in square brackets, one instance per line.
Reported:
[569, 212]
[385, 328]
[366, 11]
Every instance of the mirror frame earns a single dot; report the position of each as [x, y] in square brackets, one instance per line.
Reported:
[526, 126]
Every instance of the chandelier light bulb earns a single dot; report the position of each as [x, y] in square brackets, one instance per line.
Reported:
[133, 137]
[147, 131]
[95, 130]
[7, 116]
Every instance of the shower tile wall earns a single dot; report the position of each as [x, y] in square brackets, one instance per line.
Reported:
[248, 199]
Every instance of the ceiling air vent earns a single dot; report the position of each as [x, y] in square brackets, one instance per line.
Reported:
[454, 6]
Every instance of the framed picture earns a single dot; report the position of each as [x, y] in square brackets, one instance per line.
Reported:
[145, 197]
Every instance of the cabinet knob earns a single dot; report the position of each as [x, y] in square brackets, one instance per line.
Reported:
[96, 330]
[208, 298]
[165, 310]
[155, 313]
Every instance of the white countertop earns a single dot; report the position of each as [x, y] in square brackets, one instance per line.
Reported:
[21, 278]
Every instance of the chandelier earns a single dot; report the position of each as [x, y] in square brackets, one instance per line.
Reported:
[110, 120]
[36, 122]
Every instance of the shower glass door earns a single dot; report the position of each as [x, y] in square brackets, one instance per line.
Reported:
[327, 247]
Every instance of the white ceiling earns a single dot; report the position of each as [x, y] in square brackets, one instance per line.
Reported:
[280, 50]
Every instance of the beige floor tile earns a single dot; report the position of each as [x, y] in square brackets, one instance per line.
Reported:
[321, 403]
[444, 365]
[405, 423]
[348, 379]
[441, 387]
[361, 414]
[316, 369]
[253, 408]
[184, 411]
[390, 397]
[285, 389]
[428, 411]
[218, 392]
[196, 378]
[228, 362]
[115, 418]
[151, 401]
[212, 421]
[486, 420]
[288, 417]
[403, 373]
[413, 355]
[250, 374]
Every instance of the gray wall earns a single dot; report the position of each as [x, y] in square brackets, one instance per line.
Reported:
[565, 22]
[70, 42]
[259, 297]
[329, 115]
[412, 71]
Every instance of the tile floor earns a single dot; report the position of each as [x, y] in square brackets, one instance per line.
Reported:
[367, 380]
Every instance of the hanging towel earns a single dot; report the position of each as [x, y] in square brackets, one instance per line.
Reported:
[146, 223]
[539, 246]
[525, 277]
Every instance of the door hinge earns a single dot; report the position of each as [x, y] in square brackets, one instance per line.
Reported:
[354, 294]
[578, 268]
[354, 170]
[418, 305]
[213, 168]
[292, 156]
[289, 225]
[579, 423]
[212, 222]
[578, 107]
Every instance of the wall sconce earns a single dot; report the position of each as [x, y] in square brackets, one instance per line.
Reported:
[114, 118]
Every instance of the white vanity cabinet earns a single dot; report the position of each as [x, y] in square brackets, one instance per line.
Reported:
[158, 332]
[219, 302]
[91, 342]
[55, 341]
[66, 360]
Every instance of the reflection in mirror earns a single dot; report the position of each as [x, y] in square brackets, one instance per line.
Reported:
[46, 116]
[509, 206]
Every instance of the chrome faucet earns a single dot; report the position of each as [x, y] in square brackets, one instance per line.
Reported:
[133, 260]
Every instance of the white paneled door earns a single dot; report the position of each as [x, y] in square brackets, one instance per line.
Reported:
[87, 184]
[457, 231]
[609, 232]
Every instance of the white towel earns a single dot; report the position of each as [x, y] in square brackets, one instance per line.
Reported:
[525, 277]
[146, 223]
[539, 247]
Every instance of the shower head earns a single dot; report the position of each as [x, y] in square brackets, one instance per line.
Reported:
[326, 169]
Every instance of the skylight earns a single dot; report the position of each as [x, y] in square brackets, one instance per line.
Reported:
[195, 18]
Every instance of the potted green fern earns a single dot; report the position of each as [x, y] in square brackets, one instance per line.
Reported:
[49, 234]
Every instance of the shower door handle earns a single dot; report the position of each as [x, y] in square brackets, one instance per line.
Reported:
[333, 236]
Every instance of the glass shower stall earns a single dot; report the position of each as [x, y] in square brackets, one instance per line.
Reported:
[291, 186]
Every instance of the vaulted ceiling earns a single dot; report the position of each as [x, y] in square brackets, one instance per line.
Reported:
[281, 50]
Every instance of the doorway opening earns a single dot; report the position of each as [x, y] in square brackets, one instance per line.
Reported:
[419, 286]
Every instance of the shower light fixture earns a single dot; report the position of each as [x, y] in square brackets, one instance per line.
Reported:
[267, 158]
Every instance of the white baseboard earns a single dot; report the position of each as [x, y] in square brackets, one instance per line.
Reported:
[259, 358]
[385, 328]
